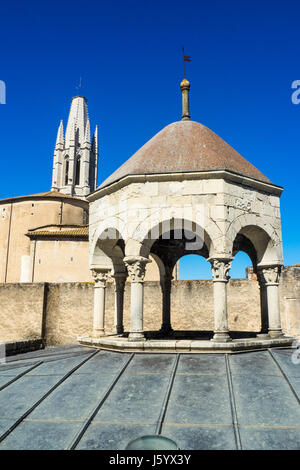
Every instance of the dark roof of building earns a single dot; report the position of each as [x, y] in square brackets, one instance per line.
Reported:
[45, 195]
[78, 397]
[60, 231]
[185, 146]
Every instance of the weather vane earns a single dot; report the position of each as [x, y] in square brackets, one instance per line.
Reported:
[186, 58]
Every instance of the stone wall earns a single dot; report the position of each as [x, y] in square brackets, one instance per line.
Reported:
[290, 300]
[21, 311]
[62, 312]
[20, 214]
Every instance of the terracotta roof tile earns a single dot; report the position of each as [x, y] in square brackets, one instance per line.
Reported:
[76, 232]
[47, 194]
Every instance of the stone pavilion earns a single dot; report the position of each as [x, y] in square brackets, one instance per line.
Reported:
[185, 191]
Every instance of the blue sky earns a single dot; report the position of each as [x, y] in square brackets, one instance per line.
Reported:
[245, 55]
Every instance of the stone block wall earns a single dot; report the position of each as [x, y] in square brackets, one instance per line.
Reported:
[60, 312]
[290, 300]
[21, 311]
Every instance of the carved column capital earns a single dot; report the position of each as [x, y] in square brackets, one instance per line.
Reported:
[100, 277]
[136, 267]
[220, 269]
[269, 275]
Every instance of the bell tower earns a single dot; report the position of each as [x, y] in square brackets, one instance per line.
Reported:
[76, 154]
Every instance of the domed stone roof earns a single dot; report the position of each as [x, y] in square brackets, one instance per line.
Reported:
[185, 146]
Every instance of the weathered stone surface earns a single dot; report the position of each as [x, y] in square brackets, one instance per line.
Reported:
[69, 308]
[21, 311]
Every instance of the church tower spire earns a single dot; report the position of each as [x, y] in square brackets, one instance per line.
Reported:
[75, 156]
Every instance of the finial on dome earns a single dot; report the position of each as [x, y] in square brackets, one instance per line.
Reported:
[185, 87]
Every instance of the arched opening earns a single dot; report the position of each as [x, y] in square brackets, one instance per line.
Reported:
[77, 171]
[243, 293]
[66, 170]
[263, 246]
[194, 267]
[241, 267]
[108, 250]
[107, 254]
[175, 239]
[192, 302]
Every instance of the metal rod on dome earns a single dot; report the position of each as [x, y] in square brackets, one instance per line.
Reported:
[186, 58]
[185, 87]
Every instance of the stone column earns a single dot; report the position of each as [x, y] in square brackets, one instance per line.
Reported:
[119, 279]
[136, 267]
[271, 276]
[165, 285]
[220, 270]
[263, 302]
[100, 277]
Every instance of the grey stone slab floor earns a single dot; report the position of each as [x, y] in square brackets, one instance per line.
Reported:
[83, 398]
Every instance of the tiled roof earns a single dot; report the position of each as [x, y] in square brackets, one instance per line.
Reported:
[47, 195]
[185, 146]
[60, 231]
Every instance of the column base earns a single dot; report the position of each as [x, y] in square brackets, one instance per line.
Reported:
[136, 336]
[221, 337]
[98, 333]
[263, 336]
[276, 333]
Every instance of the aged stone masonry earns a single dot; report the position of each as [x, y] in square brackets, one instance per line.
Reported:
[60, 312]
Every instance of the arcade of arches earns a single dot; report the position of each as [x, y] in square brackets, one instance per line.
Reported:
[123, 251]
[185, 191]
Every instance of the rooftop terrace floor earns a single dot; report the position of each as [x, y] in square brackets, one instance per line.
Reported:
[76, 397]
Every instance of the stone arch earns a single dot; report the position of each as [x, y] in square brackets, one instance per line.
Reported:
[242, 243]
[145, 236]
[262, 243]
[259, 240]
[107, 247]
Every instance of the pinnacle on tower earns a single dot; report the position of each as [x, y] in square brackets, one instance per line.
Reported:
[75, 160]
[60, 135]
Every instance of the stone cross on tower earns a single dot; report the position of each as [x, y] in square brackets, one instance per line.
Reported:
[76, 155]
